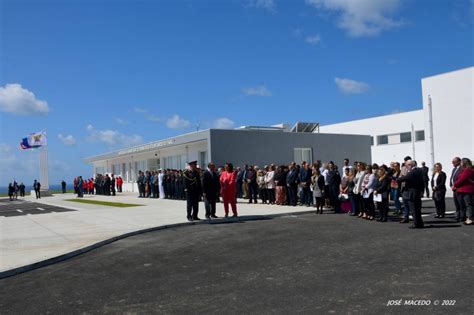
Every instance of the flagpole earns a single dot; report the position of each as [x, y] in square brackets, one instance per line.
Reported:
[44, 180]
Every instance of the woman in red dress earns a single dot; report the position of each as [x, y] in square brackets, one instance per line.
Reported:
[228, 189]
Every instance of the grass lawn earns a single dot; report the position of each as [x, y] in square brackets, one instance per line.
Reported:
[104, 203]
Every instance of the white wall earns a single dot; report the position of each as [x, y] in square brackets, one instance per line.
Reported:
[386, 125]
[453, 115]
[190, 150]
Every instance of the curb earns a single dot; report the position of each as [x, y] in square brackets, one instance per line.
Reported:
[77, 252]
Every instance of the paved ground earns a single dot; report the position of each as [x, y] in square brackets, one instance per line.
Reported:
[22, 207]
[307, 263]
[31, 239]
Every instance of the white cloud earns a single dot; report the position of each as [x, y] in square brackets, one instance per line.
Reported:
[348, 86]
[67, 140]
[112, 137]
[313, 40]
[176, 122]
[257, 91]
[268, 5]
[362, 17]
[155, 118]
[17, 100]
[223, 123]
[121, 121]
[140, 110]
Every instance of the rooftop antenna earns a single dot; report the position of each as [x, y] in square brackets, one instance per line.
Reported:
[198, 125]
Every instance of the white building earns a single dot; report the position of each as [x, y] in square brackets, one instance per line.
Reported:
[439, 131]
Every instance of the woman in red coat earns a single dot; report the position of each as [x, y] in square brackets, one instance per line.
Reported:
[229, 189]
[464, 186]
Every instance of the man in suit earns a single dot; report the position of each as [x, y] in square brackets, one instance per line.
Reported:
[193, 190]
[210, 188]
[334, 180]
[107, 185]
[37, 187]
[252, 184]
[426, 178]
[411, 193]
[292, 184]
[112, 184]
[457, 198]
[305, 178]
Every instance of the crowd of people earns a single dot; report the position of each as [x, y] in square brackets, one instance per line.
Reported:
[359, 189]
[14, 189]
[100, 185]
[362, 190]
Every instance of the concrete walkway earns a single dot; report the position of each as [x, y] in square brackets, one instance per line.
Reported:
[30, 239]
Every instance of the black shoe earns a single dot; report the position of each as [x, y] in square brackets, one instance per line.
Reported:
[190, 219]
[226, 216]
[208, 217]
[234, 216]
[214, 216]
[196, 218]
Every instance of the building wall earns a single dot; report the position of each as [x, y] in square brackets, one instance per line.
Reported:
[242, 147]
[453, 115]
[393, 124]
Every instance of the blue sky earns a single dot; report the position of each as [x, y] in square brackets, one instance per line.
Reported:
[100, 75]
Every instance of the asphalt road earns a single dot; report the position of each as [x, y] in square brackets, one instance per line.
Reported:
[307, 264]
[22, 207]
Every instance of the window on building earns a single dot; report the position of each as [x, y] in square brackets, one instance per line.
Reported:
[405, 137]
[202, 159]
[371, 140]
[420, 135]
[382, 139]
[303, 154]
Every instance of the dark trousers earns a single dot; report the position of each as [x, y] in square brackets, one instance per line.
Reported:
[113, 190]
[369, 207]
[414, 206]
[210, 205]
[334, 197]
[37, 193]
[253, 192]
[383, 209]
[467, 205]
[239, 190]
[192, 205]
[355, 201]
[440, 202]
[292, 192]
[307, 196]
[263, 194]
[460, 210]
[271, 195]
[427, 189]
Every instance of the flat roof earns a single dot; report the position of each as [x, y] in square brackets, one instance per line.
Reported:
[373, 117]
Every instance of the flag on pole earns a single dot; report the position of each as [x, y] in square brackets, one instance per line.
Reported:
[34, 140]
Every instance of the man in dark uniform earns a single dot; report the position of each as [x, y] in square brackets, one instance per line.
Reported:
[107, 185]
[210, 188]
[426, 179]
[411, 194]
[112, 184]
[192, 187]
